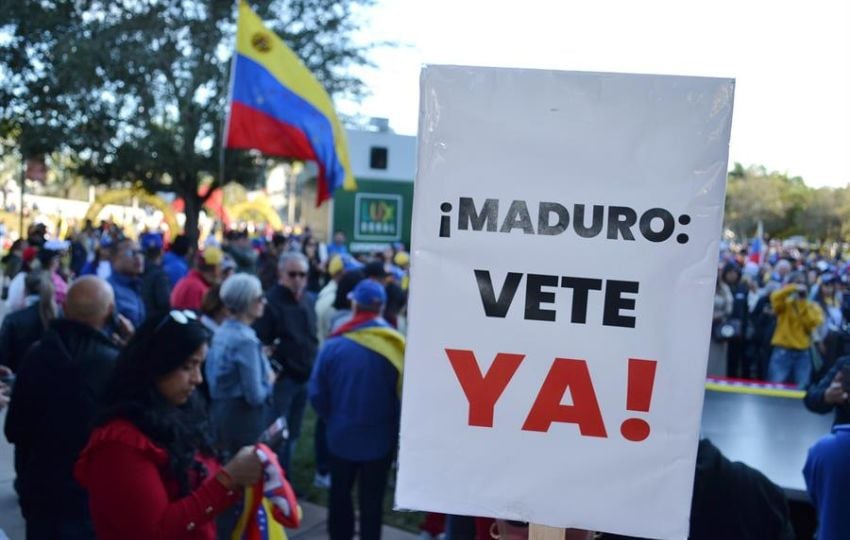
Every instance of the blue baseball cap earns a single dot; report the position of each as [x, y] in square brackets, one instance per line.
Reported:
[369, 293]
[350, 263]
[151, 241]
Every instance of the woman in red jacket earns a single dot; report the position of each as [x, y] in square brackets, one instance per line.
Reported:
[149, 467]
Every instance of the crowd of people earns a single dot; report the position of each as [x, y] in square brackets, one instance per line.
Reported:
[781, 316]
[144, 377]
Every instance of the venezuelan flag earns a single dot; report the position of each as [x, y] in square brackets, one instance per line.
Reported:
[256, 521]
[278, 107]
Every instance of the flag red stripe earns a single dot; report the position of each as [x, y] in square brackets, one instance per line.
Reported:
[250, 128]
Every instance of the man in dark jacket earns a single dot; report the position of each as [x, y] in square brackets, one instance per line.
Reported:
[290, 320]
[156, 289]
[733, 501]
[268, 261]
[828, 394]
[24, 327]
[738, 363]
[52, 408]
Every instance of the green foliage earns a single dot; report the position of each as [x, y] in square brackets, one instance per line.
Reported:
[785, 205]
[136, 90]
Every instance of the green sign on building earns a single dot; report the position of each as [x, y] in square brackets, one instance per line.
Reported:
[376, 215]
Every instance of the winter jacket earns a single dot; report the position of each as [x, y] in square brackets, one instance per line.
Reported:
[294, 323]
[128, 298]
[156, 291]
[19, 331]
[51, 410]
[354, 389]
[815, 401]
[133, 495]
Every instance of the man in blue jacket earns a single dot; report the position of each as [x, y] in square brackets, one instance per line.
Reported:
[127, 268]
[355, 387]
[827, 474]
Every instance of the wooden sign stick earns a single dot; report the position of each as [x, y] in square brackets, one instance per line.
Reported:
[542, 532]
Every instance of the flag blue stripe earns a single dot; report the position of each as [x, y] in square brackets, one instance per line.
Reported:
[255, 87]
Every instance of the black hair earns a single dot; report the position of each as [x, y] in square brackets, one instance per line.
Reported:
[181, 246]
[731, 267]
[156, 349]
[346, 284]
[278, 240]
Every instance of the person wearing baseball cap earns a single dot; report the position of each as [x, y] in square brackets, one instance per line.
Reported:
[156, 288]
[359, 371]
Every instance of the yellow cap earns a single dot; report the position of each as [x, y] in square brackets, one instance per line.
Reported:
[401, 258]
[212, 256]
[335, 265]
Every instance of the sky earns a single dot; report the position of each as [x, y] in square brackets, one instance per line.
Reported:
[791, 61]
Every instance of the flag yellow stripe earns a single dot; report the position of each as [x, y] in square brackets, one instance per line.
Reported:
[275, 530]
[239, 530]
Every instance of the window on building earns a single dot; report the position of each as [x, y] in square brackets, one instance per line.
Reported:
[378, 158]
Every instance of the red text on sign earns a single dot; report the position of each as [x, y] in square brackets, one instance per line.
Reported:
[483, 391]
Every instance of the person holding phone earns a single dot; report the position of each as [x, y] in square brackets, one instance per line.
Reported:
[149, 468]
[796, 319]
[832, 392]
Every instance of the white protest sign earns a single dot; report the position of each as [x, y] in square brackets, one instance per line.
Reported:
[565, 240]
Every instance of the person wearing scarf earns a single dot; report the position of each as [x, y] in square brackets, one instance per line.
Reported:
[355, 388]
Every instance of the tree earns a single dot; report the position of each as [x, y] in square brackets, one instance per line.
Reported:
[821, 219]
[754, 195]
[136, 90]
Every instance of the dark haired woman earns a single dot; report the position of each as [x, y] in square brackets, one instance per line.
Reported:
[316, 269]
[148, 467]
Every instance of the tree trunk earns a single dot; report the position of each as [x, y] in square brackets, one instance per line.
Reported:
[192, 208]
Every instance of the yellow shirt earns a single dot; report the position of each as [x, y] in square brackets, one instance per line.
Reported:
[796, 318]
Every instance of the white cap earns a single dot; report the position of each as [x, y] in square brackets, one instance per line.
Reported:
[57, 245]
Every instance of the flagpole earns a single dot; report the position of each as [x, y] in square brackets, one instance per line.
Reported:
[21, 233]
[225, 128]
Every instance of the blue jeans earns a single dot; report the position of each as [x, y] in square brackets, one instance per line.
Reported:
[290, 399]
[793, 363]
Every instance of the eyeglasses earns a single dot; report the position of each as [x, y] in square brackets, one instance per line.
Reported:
[132, 252]
[296, 274]
[180, 316]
